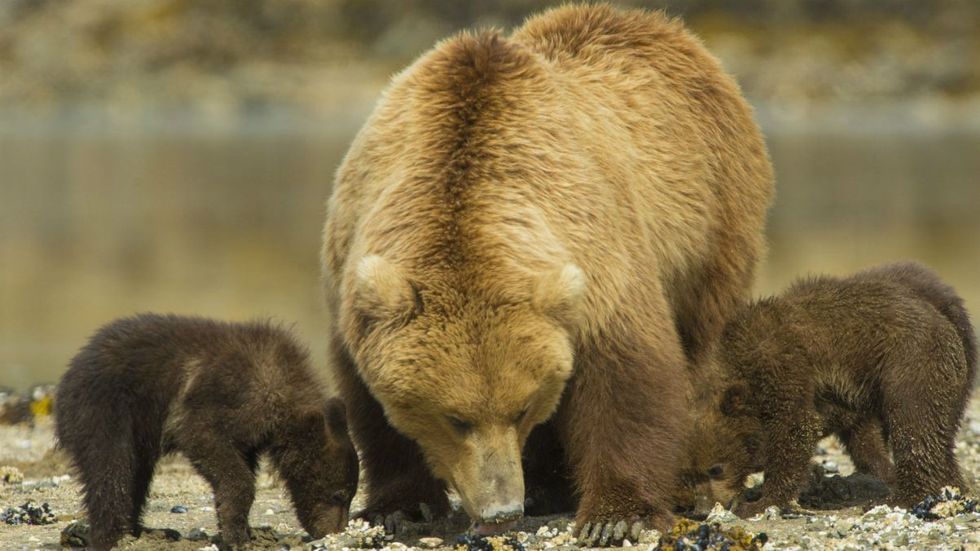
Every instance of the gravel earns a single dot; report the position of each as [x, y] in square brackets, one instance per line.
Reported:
[38, 474]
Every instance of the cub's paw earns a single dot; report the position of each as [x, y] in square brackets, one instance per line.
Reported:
[397, 520]
[752, 508]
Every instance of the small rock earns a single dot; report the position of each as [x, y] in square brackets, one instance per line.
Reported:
[431, 542]
[11, 475]
[197, 534]
[830, 466]
[720, 514]
[28, 513]
[178, 509]
[168, 534]
[75, 534]
[772, 513]
[649, 537]
[843, 526]
[975, 427]
[269, 512]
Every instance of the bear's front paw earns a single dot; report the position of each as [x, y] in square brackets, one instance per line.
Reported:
[611, 533]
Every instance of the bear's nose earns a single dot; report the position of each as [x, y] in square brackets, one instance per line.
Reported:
[496, 514]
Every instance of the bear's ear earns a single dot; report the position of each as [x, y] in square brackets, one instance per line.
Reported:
[381, 291]
[559, 293]
[733, 400]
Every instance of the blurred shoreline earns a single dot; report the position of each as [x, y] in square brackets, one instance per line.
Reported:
[176, 156]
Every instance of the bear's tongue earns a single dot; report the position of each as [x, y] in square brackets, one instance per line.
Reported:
[492, 529]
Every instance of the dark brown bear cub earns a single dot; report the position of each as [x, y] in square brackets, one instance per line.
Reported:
[890, 347]
[221, 394]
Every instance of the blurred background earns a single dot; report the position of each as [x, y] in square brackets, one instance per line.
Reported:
[175, 155]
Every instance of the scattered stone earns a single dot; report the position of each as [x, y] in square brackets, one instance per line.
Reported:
[76, 534]
[719, 514]
[178, 509]
[269, 512]
[772, 513]
[473, 542]
[689, 535]
[431, 542]
[649, 537]
[11, 475]
[42, 399]
[28, 513]
[167, 534]
[359, 534]
[949, 503]
[198, 534]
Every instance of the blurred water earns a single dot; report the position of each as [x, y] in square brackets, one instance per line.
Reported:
[101, 218]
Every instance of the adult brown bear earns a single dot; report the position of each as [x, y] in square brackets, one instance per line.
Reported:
[546, 225]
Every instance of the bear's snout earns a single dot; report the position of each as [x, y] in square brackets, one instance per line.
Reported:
[489, 477]
[497, 514]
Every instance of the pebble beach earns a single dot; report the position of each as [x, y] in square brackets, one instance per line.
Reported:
[41, 509]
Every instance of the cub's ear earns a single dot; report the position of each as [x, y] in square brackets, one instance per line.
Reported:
[381, 291]
[336, 415]
[560, 293]
[733, 400]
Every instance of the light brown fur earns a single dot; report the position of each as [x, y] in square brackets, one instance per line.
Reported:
[556, 220]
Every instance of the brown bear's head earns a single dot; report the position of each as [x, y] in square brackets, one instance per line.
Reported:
[466, 374]
[725, 448]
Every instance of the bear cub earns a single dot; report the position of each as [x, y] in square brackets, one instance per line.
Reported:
[220, 393]
[888, 353]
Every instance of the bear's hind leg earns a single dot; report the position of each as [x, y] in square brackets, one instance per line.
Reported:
[923, 442]
[101, 449]
[923, 404]
[142, 478]
[108, 480]
[866, 447]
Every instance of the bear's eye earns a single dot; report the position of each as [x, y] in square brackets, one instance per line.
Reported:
[716, 471]
[520, 416]
[340, 497]
[462, 427]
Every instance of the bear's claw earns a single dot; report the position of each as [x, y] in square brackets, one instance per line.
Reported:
[610, 533]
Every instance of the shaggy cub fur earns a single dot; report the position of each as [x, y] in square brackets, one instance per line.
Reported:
[220, 393]
[888, 352]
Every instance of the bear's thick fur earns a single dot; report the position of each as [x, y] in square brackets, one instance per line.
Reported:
[221, 394]
[546, 225]
[886, 352]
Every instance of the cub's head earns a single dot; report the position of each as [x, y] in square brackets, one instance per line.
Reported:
[320, 468]
[724, 449]
[465, 373]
